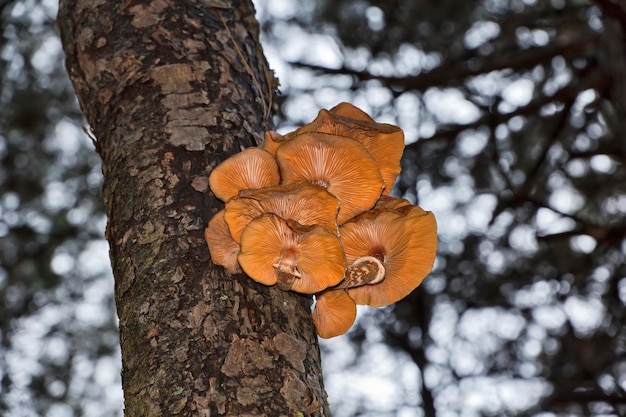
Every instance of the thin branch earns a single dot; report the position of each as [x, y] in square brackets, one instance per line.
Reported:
[421, 311]
[614, 10]
[444, 75]
[566, 94]
[587, 397]
[617, 153]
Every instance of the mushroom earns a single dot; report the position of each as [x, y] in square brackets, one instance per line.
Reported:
[353, 112]
[249, 169]
[222, 247]
[272, 141]
[389, 203]
[305, 203]
[364, 270]
[334, 313]
[305, 259]
[384, 141]
[341, 165]
[405, 243]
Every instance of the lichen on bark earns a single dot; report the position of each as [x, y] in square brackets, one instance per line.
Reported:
[170, 89]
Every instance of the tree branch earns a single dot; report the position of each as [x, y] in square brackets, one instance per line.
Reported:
[459, 71]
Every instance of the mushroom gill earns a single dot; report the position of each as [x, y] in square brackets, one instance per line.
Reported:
[306, 204]
[222, 247]
[405, 243]
[385, 142]
[298, 258]
[249, 169]
[342, 166]
[334, 313]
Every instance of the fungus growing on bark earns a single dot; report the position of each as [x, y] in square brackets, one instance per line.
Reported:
[306, 204]
[384, 141]
[222, 247]
[334, 313]
[309, 212]
[249, 169]
[405, 243]
[305, 259]
[341, 165]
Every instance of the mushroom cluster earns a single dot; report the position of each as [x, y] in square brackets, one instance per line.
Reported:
[309, 212]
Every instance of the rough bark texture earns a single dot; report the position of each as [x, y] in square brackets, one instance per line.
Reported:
[167, 88]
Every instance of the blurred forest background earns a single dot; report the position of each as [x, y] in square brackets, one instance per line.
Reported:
[514, 113]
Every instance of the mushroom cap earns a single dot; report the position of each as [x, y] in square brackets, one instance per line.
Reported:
[384, 141]
[341, 165]
[405, 243]
[222, 247]
[249, 169]
[389, 203]
[334, 313]
[353, 112]
[305, 203]
[272, 141]
[303, 259]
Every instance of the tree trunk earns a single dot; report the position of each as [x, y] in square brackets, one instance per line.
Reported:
[171, 89]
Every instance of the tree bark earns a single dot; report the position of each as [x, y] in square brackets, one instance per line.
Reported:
[170, 89]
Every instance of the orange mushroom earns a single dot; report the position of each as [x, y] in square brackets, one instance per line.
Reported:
[222, 247]
[405, 243]
[306, 204]
[334, 313]
[249, 169]
[341, 165]
[384, 141]
[389, 203]
[272, 141]
[353, 112]
[299, 258]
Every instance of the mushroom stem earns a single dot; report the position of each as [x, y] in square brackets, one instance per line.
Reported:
[364, 270]
[286, 270]
[288, 263]
[285, 280]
